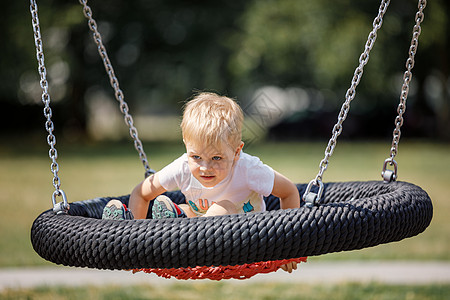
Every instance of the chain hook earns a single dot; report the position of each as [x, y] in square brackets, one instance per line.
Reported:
[114, 82]
[45, 98]
[389, 175]
[349, 96]
[60, 207]
[311, 198]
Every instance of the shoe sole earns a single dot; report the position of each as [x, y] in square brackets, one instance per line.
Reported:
[163, 209]
[114, 212]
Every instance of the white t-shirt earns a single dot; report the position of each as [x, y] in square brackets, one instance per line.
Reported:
[245, 186]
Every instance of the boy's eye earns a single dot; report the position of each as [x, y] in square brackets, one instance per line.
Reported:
[196, 157]
[216, 158]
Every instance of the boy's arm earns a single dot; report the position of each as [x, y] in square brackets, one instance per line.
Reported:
[286, 191]
[142, 194]
[289, 198]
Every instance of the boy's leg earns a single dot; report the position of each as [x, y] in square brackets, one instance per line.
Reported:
[116, 210]
[221, 208]
[164, 208]
[187, 210]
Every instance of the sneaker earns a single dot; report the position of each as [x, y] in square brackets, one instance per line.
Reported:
[116, 210]
[164, 208]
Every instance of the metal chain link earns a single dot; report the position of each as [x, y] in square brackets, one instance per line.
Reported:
[349, 96]
[386, 174]
[49, 126]
[115, 85]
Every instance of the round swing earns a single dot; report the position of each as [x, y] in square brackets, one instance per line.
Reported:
[334, 217]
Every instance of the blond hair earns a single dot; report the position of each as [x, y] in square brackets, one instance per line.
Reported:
[212, 119]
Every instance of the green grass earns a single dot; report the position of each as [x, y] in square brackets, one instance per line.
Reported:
[92, 170]
[238, 291]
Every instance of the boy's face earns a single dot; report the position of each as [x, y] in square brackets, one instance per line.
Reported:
[211, 164]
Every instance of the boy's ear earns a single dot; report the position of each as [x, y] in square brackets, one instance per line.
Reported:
[239, 148]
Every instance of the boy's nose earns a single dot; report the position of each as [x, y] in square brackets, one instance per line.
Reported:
[204, 166]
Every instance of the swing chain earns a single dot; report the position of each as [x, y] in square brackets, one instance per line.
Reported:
[349, 96]
[389, 175]
[61, 207]
[115, 85]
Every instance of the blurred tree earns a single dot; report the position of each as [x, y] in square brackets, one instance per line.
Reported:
[316, 44]
[20, 94]
[163, 50]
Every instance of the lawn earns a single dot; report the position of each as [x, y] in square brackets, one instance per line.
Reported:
[91, 170]
[236, 291]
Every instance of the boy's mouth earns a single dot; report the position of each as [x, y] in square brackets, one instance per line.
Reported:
[207, 177]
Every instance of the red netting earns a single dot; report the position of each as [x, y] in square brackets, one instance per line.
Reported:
[244, 271]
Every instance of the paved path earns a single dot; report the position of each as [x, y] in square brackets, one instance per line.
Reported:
[313, 272]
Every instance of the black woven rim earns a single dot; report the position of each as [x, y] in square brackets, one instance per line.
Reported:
[353, 215]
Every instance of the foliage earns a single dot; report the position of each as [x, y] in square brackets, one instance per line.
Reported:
[163, 50]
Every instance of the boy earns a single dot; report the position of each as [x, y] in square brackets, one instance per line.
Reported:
[215, 176]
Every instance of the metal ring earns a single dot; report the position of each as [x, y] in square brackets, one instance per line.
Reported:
[314, 198]
[60, 207]
[389, 175]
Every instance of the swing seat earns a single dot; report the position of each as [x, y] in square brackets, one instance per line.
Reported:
[351, 215]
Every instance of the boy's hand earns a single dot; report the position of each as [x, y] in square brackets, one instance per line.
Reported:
[289, 266]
